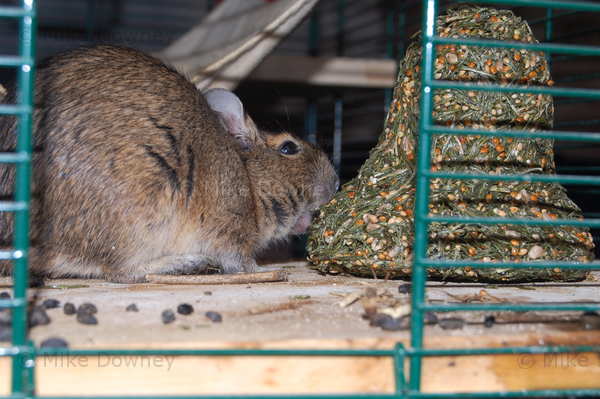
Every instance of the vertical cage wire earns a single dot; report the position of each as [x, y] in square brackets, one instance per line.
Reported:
[22, 363]
[419, 275]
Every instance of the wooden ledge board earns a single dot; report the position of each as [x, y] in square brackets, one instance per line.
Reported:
[326, 71]
[158, 375]
[299, 314]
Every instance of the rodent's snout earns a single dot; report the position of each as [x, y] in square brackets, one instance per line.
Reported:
[334, 186]
[325, 191]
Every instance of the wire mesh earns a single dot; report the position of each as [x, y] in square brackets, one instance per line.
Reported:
[23, 353]
[427, 128]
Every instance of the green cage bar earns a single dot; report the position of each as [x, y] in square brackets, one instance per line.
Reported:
[22, 365]
[422, 194]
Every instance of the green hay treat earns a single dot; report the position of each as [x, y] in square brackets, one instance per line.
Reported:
[367, 229]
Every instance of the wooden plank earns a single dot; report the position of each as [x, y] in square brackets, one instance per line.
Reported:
[302, 313]
[326, 71]
[211, 279]
[270, 375]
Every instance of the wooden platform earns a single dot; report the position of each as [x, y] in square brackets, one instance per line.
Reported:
[325, 71]
[303, 313]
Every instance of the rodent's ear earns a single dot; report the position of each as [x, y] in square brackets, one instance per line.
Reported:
[231, 114]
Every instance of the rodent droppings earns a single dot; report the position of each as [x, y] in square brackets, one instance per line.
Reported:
[489, 321]
[87, 318]
[215, 317]
[88, 308]
[185, 309]
[431, 318]
[167, 316]
[5, 326]
[54, 342]
[5, 333]
[132, 308]
[590, 320]
[404, 288]
[38, 317]
[452, 323]
[85, 314]
[69, 308]
[51, 303]
[5, 318]
[389, 323]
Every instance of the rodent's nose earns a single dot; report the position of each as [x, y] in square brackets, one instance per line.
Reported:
[334, 187]
[326, 190]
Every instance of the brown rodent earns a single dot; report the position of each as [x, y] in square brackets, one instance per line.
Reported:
[138, 172]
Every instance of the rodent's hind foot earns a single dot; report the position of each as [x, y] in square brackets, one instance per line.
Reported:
[170, 264]
[238, 264]
[126, 279]
[250, 267]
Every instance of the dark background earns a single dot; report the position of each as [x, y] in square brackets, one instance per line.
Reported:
[351, 28]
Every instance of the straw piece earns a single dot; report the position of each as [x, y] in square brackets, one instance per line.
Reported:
[209, 279]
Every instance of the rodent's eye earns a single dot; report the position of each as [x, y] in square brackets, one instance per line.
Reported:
[289, 148]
